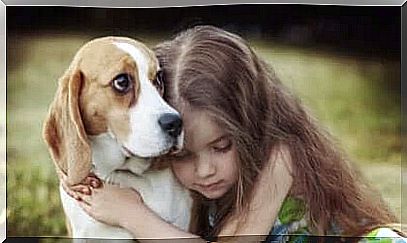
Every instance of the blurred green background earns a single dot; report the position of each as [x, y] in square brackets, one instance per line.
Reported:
[344, 65]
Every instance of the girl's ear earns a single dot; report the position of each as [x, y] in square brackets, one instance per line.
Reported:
[64, 132]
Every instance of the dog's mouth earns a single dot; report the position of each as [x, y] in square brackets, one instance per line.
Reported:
[174, 149]
[128, 152]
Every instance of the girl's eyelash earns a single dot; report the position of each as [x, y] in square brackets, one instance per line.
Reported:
[182, 156]
[225, 148]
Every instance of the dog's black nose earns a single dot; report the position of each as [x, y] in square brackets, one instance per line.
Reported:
[171, 124]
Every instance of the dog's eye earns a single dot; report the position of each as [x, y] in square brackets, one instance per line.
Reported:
[122, 83]
[159, 80]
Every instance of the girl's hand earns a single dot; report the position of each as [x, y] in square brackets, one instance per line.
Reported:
[111, 204]
[91, 181]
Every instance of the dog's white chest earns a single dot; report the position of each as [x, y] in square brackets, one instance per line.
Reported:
[160, 192]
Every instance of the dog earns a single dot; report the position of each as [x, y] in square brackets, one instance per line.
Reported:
[108, 117]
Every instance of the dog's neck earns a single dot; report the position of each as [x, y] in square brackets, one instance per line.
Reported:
[108, 156]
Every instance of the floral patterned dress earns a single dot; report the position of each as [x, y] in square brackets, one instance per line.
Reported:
[291, 226]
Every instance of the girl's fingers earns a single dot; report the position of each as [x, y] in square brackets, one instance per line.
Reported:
[86, 199]
[85, 189]
[79, 190]
[92, 181]
[70, 192]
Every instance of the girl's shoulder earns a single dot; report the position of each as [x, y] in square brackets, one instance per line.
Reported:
[384, 234]
[291, 224]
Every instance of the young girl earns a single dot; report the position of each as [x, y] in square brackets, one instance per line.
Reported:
[256, 163]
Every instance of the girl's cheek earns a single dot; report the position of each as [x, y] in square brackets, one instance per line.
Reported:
[183, 173]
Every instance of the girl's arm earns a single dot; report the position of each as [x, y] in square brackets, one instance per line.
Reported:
[124, 207]
[271, 189]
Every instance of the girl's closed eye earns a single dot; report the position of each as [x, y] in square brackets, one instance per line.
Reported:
[182, 156]
[223, 146]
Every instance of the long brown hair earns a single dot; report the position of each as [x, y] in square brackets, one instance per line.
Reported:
[216, 71]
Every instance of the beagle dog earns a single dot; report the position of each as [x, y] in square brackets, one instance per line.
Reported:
[108, 117]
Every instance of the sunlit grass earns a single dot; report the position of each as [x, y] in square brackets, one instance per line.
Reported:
[353, 97]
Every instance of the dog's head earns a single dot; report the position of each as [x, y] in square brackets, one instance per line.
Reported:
[113, 85]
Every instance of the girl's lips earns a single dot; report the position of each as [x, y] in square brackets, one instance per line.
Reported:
[210, 187]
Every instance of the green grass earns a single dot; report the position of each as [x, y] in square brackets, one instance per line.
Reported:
[356, 99]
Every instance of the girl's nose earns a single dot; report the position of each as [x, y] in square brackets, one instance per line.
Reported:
[205, 167]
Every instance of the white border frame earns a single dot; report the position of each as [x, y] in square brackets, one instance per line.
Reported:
[175, 3]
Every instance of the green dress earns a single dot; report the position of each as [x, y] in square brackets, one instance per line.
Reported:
[291, 226]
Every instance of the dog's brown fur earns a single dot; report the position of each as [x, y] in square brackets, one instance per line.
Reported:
[82, 102]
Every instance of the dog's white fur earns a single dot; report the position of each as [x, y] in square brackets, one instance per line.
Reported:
[110, 161]
[147, 135]
[159, 190]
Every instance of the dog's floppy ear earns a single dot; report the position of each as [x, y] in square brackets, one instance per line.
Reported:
[64, 132]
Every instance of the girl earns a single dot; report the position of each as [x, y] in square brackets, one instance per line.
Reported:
[256, 163]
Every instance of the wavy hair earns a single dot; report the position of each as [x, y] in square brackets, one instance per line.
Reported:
[217, 71]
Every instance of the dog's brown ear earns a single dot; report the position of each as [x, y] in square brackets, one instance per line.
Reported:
[64, 132]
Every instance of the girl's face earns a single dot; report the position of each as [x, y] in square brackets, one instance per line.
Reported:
[208, 162]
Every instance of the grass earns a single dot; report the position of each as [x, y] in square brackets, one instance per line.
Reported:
[356, 99]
